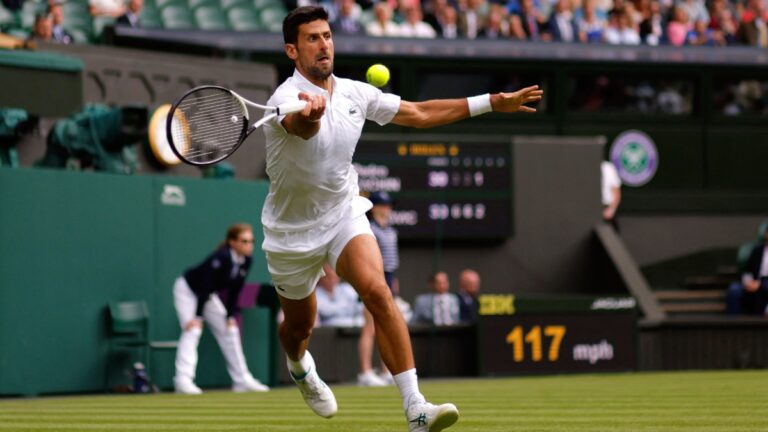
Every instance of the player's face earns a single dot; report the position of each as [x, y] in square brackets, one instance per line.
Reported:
[243, 244]
[313, 51]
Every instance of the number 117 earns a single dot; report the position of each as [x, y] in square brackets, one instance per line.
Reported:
[517, 339]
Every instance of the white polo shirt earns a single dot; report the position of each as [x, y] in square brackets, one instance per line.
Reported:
[312, 182]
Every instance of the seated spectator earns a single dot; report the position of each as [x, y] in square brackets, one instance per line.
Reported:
[337, 302]
[750, 295]
[131, 17]
[527, 23]
[57, 16]
[382, 25]
[448, 23]
[346, 21]
[472, 18]
[414, 26]
[702, 35]
[591, 26]
[696, 10]
[753, 30]
[497, 24]
[678, 27]
[438, 307]
[43, 28]
[110, 8]
[469, 290]
[651, 27]
[561, 25]
[622, 30]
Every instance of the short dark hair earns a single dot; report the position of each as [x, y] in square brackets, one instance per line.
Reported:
[299, 16]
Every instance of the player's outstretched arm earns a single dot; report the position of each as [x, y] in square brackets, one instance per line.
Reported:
[438, 112]
[306, 123]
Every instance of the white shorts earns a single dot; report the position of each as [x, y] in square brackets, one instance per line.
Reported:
[295, 259]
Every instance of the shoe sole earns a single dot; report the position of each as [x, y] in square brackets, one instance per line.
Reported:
[445, 418]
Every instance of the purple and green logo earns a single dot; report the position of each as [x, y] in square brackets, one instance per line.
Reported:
[635, 157]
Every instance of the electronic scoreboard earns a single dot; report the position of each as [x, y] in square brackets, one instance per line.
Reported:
[453, 187]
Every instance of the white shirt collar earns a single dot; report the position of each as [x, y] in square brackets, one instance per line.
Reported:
[303, 81]
[236, 258]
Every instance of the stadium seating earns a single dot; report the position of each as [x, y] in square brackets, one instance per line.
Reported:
[272, 18]
[229, 4]
[177, 17]
[210, 18]
[244, 19]
[7, 18]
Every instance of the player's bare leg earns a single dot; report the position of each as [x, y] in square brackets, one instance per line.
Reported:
[361, 265]
[367, 377]
[294, 333]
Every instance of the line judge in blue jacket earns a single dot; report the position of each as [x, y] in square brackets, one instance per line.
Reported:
[197, 298]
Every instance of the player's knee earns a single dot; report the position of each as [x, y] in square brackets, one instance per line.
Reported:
[378, 301]
[297, 330]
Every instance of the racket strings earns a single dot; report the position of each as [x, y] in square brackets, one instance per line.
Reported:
[208, 125]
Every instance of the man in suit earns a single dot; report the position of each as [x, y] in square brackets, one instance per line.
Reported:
[438, 307]
[750, 295]
[131, 17]
[469, 289]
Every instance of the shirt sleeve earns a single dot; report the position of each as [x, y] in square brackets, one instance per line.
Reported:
[380, 107]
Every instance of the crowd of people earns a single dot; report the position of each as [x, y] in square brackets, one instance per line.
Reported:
[625, 22]
[619, 22]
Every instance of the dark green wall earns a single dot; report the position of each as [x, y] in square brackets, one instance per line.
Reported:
[70, 242]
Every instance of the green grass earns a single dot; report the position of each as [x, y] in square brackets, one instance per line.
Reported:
[687, 401]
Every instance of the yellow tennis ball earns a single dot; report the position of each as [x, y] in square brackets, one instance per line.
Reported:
[377, 75]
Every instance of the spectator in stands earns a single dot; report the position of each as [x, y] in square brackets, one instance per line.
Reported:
[57, 16]
[750, 295]
[43, 28]
[753, 29]
[110, 8]
[469, 290]
[346, 21]
[382, 25]
[132, 16]
[610, 192]
[678, 27]
[197, 296]
[696, 10]
[439, 307]
[702, 35]
[472, 18]
[414, 26]
[622, 30]
[652, 25]
[444, 20]
[727, 26]
[562, 25]
[591, 26]
[497, 24]
[338, 304]
[527, 23]
[431, 10]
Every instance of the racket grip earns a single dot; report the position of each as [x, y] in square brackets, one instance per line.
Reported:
[291, 107]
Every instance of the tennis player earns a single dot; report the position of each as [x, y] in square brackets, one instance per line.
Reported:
[313, 212]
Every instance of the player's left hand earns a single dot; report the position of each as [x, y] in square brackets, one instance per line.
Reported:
[513, 102]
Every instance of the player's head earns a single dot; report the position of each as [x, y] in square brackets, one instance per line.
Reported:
[439, 282]
[308, 41]
[240, 239]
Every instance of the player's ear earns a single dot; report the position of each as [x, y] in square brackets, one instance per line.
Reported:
[291, 51]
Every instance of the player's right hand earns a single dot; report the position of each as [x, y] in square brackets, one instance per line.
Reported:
[315, 107]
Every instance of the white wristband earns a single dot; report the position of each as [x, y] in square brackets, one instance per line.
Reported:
[479, 105]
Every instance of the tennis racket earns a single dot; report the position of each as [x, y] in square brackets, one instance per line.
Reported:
[209, 123]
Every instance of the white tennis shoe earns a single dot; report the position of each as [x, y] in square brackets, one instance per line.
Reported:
[426, 417]
[249, 385]
[316, 393]
[186, 386]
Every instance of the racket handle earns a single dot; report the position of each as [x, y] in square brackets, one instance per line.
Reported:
[291, 107]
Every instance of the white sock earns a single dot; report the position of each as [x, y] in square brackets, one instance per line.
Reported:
[301, 367]
[408, 383]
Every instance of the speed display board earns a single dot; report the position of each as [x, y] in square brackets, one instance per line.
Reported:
[532, 336]
[453, 187]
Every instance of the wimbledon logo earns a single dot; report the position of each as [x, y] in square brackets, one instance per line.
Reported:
[634, 155]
